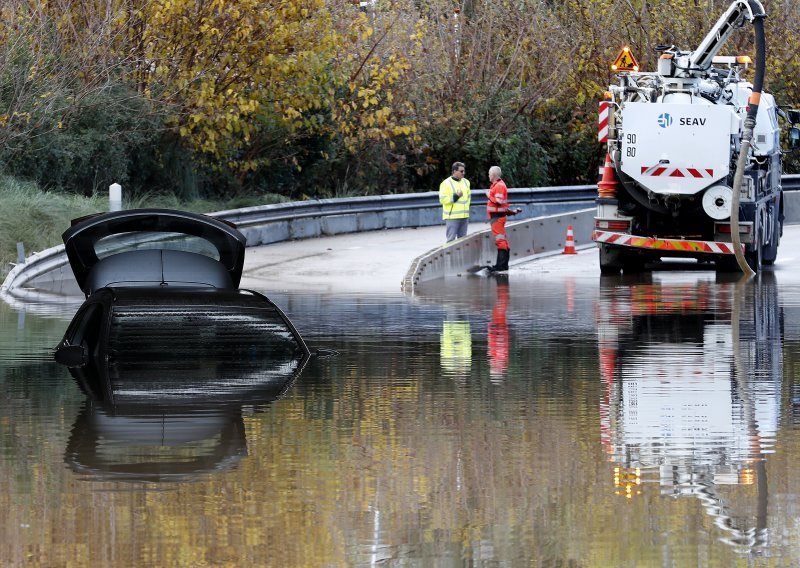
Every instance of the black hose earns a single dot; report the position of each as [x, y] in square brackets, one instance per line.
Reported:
[761, 55]
[747, 133]
[761, 45]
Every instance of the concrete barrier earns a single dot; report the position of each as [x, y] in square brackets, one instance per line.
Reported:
[527, 238]
[791, 206]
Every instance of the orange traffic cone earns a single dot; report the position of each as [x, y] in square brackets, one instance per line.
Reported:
[607, 186]
[569, 246]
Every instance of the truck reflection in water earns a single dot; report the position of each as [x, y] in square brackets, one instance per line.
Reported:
[692, 372]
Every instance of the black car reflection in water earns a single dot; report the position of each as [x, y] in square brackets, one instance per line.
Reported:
[190, 432]
[166, 346]
[692, 371]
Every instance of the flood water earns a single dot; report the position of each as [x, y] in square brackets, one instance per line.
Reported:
[530, 421]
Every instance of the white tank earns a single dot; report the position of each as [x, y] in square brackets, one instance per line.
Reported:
[677, 148]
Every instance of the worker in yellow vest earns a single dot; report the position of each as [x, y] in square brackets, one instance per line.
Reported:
[454, 195]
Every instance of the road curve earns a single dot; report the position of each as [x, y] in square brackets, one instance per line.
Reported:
[375, 262]
[369, 262]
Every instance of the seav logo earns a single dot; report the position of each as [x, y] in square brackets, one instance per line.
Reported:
[664, 120]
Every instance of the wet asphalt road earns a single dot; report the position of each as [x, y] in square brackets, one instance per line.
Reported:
[376, 261]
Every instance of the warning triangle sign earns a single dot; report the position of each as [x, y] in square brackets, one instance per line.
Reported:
[625, 61]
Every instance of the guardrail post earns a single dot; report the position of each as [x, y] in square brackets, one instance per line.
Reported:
[20, 253]
[115, 197]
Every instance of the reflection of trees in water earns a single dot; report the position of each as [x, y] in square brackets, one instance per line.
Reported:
[469, 471]
[531, 361]
[35, 393]
[792, 387]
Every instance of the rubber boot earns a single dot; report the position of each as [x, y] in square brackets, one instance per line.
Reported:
[501, 263]
[493, 267]
[502, 260]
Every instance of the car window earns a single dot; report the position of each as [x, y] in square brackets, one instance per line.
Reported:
[144, 240]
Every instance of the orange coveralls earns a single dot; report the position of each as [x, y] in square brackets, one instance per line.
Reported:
[497, 208]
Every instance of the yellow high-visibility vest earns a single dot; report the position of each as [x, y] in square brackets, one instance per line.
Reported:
[452, 209]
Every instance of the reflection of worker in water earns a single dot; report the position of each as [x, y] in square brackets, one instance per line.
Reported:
[456, 347]
[498, 332]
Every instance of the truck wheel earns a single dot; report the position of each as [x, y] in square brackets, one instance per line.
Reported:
[770, 252]
[610, 260]
[754, 259]
[753, 256]
[632, 263]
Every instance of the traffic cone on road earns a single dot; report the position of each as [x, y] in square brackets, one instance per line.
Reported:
[607, 186]
[569, 246]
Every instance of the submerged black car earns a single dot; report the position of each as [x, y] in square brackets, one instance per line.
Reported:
[164, 319]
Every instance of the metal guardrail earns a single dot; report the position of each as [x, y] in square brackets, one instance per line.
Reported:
[258, 215]
[274, 223]
[790, 182]
[261, 214]
[283, 221]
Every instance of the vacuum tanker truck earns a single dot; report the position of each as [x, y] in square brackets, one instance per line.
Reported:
[674, 138]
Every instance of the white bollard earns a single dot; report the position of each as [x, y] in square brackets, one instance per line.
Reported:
[115, 197]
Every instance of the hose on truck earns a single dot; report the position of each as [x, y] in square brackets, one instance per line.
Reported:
[747, 136]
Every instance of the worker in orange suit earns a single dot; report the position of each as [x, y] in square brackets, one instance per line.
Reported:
[498, 331]
[498, 210]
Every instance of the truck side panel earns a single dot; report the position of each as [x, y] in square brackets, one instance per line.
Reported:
[677, 148]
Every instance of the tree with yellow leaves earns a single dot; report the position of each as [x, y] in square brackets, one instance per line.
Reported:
[242, 78]
[323, 97]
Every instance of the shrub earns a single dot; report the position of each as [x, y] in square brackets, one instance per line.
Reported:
[105, 137]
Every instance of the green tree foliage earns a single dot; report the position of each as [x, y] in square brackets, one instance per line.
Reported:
[243, 78]
[486, 75]
[109, 136]
[69, 117]
[319, 98]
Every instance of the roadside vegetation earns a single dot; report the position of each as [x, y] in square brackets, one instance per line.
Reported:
[37, 218]
[220, 100]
